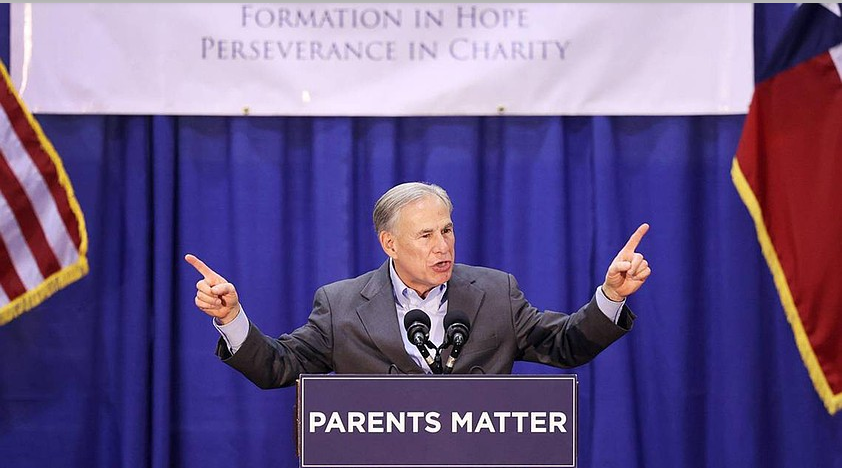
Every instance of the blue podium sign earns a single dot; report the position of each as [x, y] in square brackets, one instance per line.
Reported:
[437, 421]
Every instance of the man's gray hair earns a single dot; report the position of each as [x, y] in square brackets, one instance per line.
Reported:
[389, 205]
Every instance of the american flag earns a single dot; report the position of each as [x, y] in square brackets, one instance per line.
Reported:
[43, 242]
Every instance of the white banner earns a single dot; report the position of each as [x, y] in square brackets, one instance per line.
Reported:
[383, 59]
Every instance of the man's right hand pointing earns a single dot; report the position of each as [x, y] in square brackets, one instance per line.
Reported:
[215, 296]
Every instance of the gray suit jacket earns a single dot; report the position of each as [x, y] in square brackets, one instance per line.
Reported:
[354, 329]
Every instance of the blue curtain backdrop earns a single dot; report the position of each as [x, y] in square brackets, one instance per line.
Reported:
[118, 369]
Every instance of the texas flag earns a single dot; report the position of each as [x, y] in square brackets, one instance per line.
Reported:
[788, 171]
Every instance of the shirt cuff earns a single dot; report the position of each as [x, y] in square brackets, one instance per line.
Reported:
[234, 332]
[610, 308]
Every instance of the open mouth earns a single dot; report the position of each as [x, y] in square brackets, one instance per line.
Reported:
[442, 266]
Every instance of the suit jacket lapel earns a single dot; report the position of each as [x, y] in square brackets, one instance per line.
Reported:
[380, 319]
[462, 295]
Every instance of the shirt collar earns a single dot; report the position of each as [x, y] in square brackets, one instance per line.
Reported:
[401, 291]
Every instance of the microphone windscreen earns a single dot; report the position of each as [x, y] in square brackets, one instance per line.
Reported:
[456, 316]
[416, 315]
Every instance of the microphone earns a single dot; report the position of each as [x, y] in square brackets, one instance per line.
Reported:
[417, 325]
[457, 327]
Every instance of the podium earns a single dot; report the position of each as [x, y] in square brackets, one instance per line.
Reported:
[436, 421]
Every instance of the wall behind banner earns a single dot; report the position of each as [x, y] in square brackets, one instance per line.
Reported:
[118, 369]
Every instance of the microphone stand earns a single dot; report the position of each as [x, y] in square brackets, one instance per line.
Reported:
[435, 366]
[446, 344]
[439, 368]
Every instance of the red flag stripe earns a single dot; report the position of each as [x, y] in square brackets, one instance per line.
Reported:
[19, 253]
[24, 213]
[25, 130]
[9, 279]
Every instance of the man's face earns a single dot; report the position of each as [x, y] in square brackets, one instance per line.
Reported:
[422, 244]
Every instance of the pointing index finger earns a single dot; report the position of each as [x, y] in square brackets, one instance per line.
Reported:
[635, 238]
[202, 268]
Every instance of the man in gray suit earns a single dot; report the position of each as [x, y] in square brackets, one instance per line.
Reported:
[356, 326]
